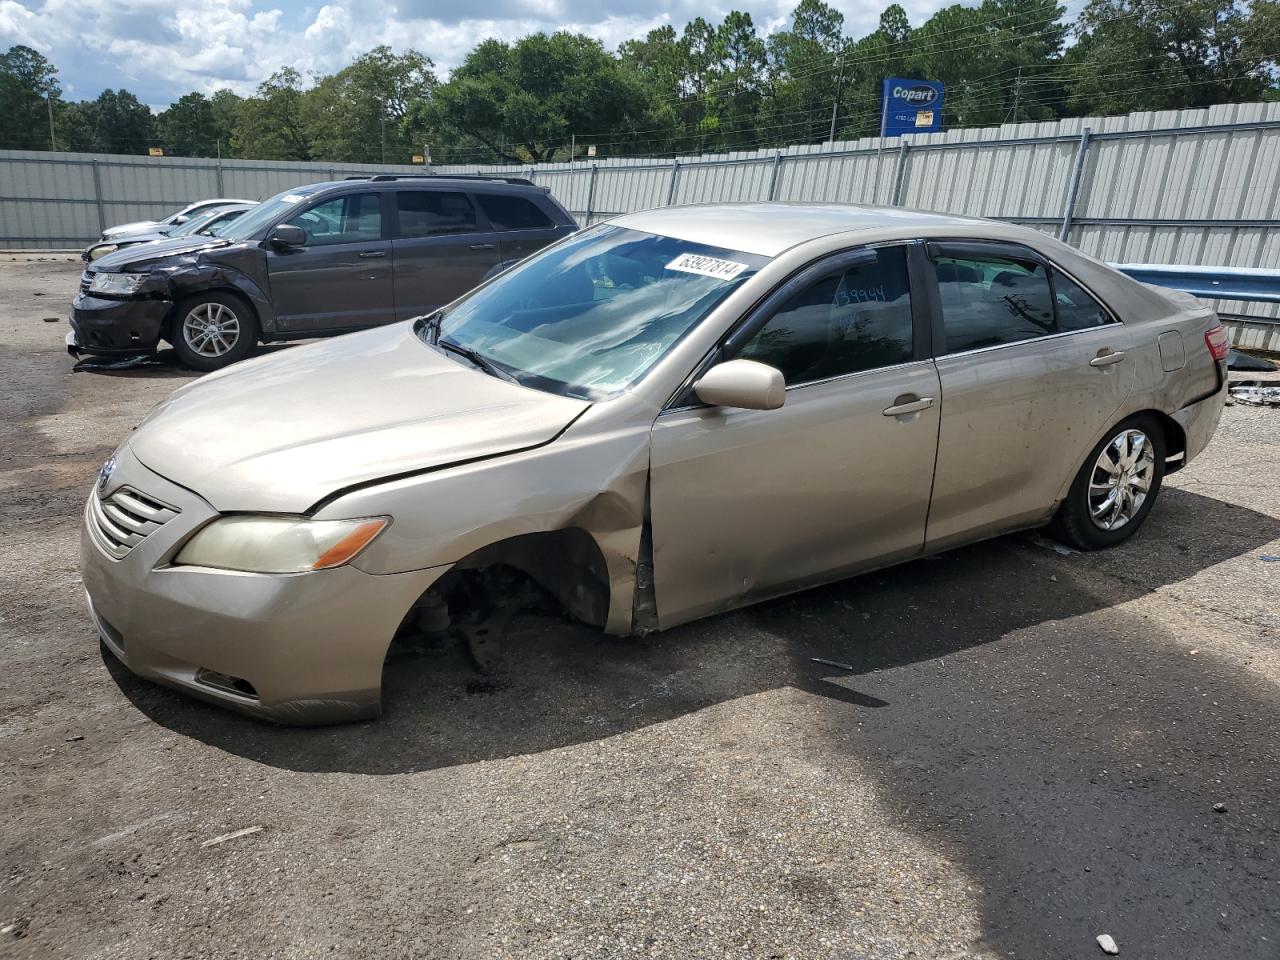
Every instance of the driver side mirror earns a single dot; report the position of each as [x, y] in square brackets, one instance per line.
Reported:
[742, 383]
[179, 221]
[287, 235]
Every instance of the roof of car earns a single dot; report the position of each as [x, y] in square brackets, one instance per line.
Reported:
[770, 228]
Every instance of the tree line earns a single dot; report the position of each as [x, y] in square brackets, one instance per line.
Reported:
[709, 86]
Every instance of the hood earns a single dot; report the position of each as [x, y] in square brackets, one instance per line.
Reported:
[138, 226]
[282, 432]
[136, 253]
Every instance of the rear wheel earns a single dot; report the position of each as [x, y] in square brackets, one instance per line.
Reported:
[1115, 488]
[214, 329]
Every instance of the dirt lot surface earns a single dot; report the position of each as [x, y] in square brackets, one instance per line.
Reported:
[1027, 753]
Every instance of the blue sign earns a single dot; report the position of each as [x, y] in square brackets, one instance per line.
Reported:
[910, 106]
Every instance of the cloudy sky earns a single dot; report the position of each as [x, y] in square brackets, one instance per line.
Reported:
[160, 49]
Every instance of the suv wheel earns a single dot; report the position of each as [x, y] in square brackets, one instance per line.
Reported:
[212, 330]
[1115, 489]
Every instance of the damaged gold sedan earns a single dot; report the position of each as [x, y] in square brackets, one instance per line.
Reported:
[668, 415]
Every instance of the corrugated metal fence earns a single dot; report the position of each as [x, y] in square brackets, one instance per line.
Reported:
[1178, 187]
[52, 200]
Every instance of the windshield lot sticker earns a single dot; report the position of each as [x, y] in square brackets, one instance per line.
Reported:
[706, 266]
[292, 198]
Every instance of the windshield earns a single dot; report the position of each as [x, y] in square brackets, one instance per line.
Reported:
[253, 222]
[195, 224]
[592, 315]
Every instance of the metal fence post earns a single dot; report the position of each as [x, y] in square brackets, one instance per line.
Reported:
[591, 193]
[97, 196]
[1073, 190]
[773, 176]
[900, 173]
[218, 171]
[675, 175]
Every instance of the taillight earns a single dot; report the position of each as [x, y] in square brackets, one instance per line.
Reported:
[1217, 341]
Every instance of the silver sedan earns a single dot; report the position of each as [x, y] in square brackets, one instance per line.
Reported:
[664, 416]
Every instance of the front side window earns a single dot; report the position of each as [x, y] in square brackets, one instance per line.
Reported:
[992, 300]
[858, 319]
[434, 213]
[513, 213]
[590, 316]
[354, 218]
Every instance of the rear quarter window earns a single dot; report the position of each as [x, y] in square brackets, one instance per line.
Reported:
[513, 213]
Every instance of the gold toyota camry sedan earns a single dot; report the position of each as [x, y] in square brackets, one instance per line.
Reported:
[661, 417]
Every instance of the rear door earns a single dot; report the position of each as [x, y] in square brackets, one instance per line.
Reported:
[522, 226]
[442, 249]
[341, 279]
[1032, 369]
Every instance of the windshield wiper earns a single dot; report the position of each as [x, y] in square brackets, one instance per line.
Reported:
[479, 359]
[429, 325]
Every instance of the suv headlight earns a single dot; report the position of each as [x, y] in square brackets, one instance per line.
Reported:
[264, 544]
[101, 250]
[121, 284]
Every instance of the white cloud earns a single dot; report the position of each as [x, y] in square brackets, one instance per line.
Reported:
[160, 50]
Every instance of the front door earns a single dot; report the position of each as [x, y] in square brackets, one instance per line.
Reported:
[749, 503]
[1032, 370]
[441, 250]
[341, 278]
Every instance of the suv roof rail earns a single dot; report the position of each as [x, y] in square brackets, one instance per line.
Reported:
[383, 177]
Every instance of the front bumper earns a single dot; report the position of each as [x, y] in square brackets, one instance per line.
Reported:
[300, 648]
[117, 326]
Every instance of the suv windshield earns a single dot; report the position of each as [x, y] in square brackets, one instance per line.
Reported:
[593, 314]
[255, 220]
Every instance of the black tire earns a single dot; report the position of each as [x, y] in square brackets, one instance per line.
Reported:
[1074, 523]
[227, 311]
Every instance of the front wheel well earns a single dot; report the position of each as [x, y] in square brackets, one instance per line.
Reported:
[171, 324]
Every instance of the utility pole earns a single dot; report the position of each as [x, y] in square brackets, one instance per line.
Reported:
[382, 123]
[835, 104]
[1017, 95]
[48, 99]
[573, 147]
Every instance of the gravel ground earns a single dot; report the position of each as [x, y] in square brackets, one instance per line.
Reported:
[1027, 753]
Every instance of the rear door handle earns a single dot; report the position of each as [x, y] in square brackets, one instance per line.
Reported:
[909, 406]
[1106, 358]
[370, 254]
[482, 246]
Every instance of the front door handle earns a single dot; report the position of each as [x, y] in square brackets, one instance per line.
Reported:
[1106, 358]
[903, 406]
[371, 254]
[482, 246]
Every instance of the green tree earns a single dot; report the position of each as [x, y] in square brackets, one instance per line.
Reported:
[525, 101]
[803, 66]
[189, 128]
[1149, 55]
[366, 112]
[270, 124]
[27, 81]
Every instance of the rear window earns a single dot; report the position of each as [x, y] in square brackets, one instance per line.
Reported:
[432, 213]
[513, 213]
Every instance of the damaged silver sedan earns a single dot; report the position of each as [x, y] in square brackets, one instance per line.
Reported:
[672, 414]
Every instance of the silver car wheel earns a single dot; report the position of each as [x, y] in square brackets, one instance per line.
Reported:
[1121, 479]
[211, 329]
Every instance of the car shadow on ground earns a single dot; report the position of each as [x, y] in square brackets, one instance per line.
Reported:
[563, 683]
[1064, 750]
[161, 365]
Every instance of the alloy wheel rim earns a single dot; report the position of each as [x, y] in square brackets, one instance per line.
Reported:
[1121, 479]
[211, 329]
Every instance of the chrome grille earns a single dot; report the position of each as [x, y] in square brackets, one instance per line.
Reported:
[123, 520]
[86, 278]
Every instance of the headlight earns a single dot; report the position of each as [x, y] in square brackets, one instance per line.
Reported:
[101, 250]
[121, 284]
[279, 544]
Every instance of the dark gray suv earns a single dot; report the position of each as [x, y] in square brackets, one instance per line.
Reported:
[313, 261]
